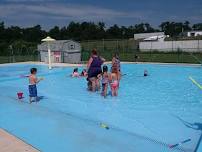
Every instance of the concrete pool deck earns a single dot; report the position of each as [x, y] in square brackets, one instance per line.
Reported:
[10, 143]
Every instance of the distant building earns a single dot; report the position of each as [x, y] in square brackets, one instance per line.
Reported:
[156, 38]
[62, 51]
[147, 35]
[171, 46]
[194, 33]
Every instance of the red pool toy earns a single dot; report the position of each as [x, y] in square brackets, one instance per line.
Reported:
[20, 95]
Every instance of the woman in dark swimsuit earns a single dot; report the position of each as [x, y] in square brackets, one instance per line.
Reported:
[94, 69]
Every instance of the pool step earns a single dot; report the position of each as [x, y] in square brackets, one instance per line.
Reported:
[10, 143]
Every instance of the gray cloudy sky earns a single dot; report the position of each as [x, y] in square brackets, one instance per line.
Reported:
[122, 12]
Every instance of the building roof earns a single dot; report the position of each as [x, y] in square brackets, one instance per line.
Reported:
[147, 35]
[60, 42]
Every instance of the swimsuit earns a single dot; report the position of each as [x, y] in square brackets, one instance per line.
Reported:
[105, 80]
[95, 67]
[32, 90]
[115, 84]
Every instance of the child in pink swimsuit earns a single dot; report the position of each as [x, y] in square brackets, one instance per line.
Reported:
[114, 78]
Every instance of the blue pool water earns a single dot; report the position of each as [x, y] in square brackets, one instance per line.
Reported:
[149, 114]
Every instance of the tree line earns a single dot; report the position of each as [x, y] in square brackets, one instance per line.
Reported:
[24, 40]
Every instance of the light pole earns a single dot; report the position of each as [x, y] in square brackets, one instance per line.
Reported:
[48, 39]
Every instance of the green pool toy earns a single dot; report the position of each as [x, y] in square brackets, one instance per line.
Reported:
[102, 125]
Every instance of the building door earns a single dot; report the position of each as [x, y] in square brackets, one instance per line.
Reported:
[57, 56]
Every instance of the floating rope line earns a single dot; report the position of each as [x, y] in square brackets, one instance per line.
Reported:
[195, 82]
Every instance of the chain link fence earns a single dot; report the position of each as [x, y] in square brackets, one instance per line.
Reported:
[18, 51]
[19, 58]
[106, 48]
[129, 50]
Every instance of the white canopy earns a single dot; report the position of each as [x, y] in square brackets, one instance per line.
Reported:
[48, 39]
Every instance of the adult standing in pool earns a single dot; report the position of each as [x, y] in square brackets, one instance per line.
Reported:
[94, 69]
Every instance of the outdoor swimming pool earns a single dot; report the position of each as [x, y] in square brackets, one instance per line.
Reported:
[149, 114]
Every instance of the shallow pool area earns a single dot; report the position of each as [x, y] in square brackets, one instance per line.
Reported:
[150, 113]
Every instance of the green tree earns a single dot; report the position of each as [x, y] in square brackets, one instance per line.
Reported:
[34, 34]
[197, 26]
[74, 31]
[173, 28]
[13, 33]
[2, 31]
[114, 32]
[55, 33]
[186, 26]
[148, 28]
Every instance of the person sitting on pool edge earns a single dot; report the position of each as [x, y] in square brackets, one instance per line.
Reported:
[75, 73]
[33, 80]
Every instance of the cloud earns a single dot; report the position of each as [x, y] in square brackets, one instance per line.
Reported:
[27, 0]
[55, 10]
[60, 12]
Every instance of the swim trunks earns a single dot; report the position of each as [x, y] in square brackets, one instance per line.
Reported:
[32, 90]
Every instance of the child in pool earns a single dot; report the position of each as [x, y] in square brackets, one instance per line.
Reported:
[33, 80]
[84, 73]
[114, 79]
[145, 73]
[105, 80]
[75, 73]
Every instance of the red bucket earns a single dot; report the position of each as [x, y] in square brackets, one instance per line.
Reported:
[20, 95]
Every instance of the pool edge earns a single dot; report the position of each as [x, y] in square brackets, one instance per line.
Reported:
[80, 65]
[12, 143]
